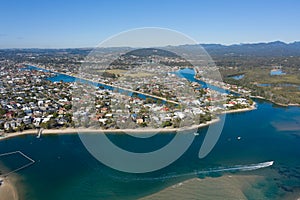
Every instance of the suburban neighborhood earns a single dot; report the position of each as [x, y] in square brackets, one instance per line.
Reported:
[147, 95]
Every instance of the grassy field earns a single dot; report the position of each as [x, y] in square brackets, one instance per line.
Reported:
[277, 90]
[263, 76]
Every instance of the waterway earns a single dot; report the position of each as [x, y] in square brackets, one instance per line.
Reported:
[65, 170]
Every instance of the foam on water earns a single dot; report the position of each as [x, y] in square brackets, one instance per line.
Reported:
[235, 168]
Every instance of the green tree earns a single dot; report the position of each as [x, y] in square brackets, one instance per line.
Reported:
[166, 123]
[2, 111]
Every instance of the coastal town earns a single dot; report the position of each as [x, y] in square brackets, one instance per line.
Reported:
[147, 95]
[149, 100]
[29, 101]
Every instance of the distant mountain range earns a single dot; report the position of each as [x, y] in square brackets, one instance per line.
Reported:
[271, 49]
[276, 48]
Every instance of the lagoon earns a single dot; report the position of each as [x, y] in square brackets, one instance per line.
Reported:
[276, 72]
[237, 77]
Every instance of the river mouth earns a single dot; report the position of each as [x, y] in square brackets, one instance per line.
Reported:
[241, 144]
[64, 169]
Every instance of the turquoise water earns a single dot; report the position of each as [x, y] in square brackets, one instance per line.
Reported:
[65, 170]
[277, 72]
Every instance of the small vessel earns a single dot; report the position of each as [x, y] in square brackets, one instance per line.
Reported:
[196, 133]
[239, 138]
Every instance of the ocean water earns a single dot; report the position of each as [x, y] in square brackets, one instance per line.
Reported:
[65, 170]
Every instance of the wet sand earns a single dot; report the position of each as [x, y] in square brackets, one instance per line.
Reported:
[221, 188]
[7, 190]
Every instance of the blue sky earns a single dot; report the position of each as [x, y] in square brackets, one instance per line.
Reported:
[79, 23]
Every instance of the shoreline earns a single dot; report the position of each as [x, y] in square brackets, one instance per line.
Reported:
[252, 107]
[122, 131]
[256, 97]
[161, 98]
[109, 85]
[276, 103]
[100, 131]
[219, 86]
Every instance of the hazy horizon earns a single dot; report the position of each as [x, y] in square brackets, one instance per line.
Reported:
[90, 47]
[79, 24]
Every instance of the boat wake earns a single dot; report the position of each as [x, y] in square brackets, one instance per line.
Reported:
[235, 168]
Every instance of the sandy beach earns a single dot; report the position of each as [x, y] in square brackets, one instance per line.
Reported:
[101, 131]
[7, 190]
[253, 107]
[122, 131]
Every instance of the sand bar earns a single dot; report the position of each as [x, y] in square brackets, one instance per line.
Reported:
[7, 190]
